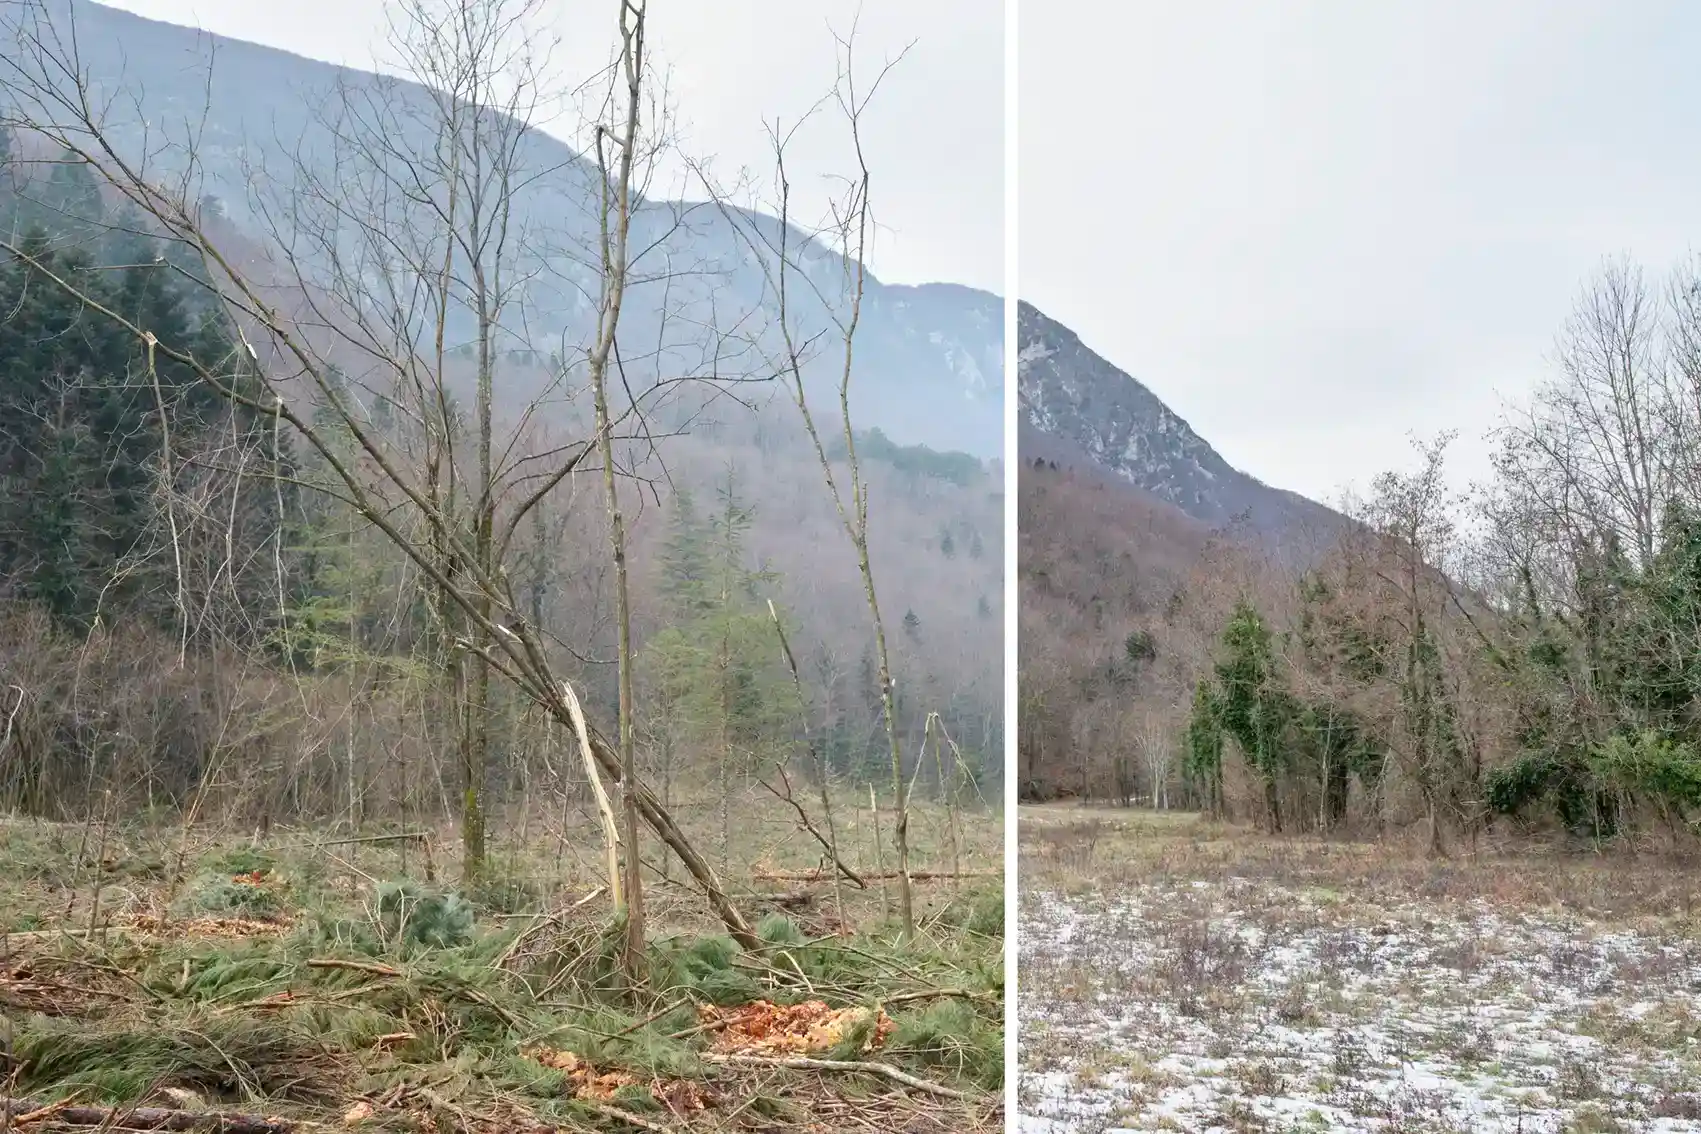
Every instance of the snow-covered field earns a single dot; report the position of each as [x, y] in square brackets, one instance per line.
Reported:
[1267, 1004]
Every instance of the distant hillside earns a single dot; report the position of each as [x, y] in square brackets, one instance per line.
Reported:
[1099, 564]
[926, 397]
[929, 360]
[1133, 534]
[1074, 402]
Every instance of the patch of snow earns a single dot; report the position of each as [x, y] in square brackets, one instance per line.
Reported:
[1322, 1015]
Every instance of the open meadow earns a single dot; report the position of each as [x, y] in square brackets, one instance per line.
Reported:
[1182, 975]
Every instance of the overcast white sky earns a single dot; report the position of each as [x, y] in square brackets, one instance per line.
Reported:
[1314, 227]
[934, 136]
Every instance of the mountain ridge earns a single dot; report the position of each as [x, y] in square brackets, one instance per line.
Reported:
[929, 366]
[1076, 408]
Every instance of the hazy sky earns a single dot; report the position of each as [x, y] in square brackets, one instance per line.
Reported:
[934, 136]
[1312, 228]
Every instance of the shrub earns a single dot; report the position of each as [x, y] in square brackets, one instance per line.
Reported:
[226, 895]
[414, 917]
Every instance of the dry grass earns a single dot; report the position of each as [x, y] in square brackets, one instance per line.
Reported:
[1181, 975]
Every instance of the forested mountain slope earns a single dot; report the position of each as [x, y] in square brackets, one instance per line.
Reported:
[930, 362]
[1067, 394]
[1513, 655]
[197, 547]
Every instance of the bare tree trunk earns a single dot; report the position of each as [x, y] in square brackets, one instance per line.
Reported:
[853, 222]
[723, 755]
[823, 772]
[879, 852]
[616, 219]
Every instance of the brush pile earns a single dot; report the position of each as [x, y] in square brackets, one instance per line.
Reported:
[264, 1000]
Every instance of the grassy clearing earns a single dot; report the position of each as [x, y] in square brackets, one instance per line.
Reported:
[349, 985]
[1181, 975]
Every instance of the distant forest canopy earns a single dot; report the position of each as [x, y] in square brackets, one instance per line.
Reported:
[186, 598]
[918, 460]
[1526, 656]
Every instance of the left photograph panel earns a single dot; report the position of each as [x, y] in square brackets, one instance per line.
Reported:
[501, 565]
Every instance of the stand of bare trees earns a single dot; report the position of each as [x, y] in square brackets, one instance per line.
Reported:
[401, 599]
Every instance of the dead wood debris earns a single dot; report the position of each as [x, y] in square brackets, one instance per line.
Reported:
[24, 1114]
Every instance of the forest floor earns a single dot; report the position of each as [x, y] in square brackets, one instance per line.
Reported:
[299, 981]
[1180, 975]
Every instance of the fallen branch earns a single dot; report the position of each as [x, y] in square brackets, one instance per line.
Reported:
[48, 997]
[354, 966]
[944, 994]
[21, 1112]
[625, 1116]
[449, 986]
[803, 822]
[808, 1063]
[717, 1024]
[539, 923]
[146, 926]
[915, 875]
[651, 1018]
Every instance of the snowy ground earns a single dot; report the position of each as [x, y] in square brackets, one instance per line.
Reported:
[1268, 1004]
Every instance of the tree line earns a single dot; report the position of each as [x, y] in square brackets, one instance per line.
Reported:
[1526, 654]
[138, 497]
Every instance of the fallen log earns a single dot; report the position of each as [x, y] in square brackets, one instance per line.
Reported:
[43, 934]
[915, 875]
[22, 1113]
[790, 899]
[352, 840]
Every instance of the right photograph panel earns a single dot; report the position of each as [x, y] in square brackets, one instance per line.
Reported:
[1359, 757]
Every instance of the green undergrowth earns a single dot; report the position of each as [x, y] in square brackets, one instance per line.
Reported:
[363, 988]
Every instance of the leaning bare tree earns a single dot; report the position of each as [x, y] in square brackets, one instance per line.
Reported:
[336, 294]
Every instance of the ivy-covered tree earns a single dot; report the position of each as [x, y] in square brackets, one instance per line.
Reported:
[1202, 761]
[1252, 707]
[1289, 714]
[1608, 693]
